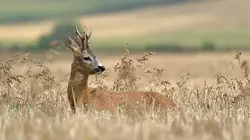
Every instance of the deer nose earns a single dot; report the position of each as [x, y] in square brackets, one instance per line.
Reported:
[101, 68]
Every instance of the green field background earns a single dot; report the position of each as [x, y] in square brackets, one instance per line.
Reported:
[15, 12]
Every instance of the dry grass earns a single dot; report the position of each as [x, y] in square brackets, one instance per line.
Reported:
[34, 102]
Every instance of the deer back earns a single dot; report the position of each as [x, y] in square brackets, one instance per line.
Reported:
[110, 100]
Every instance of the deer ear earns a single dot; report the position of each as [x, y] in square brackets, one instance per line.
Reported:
[70, 43]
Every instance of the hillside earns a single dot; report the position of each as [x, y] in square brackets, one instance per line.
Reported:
[223, 22]
[14, 11]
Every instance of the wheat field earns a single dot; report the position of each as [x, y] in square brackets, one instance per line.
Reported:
[211, 90]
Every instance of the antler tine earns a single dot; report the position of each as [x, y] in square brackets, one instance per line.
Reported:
[85, 28]
[78, 33]
[89, 34]
[86, 37]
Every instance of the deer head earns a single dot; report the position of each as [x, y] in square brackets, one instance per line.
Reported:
[84, 58]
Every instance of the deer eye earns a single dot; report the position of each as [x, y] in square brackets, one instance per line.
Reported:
[87, 58]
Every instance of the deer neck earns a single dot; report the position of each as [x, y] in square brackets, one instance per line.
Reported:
[78, 84]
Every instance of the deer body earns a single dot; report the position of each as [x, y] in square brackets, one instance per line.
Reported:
[85, 64]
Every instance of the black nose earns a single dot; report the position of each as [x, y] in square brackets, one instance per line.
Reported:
[101, 68]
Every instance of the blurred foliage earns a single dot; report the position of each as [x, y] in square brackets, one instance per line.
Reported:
[58, 33]
[208, 46]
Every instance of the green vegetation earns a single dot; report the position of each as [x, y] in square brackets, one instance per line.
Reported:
[183, 41]
[58, 33]
[13, 11]
[203, 39]
[200, 40]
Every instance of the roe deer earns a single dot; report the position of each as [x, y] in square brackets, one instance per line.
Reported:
[86, 63]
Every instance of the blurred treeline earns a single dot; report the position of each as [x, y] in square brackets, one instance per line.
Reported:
[55, 40]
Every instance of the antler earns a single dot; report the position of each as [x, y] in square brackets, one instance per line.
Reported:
[79, 37]
[82, 39]
[78, 33]
[88, 36]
